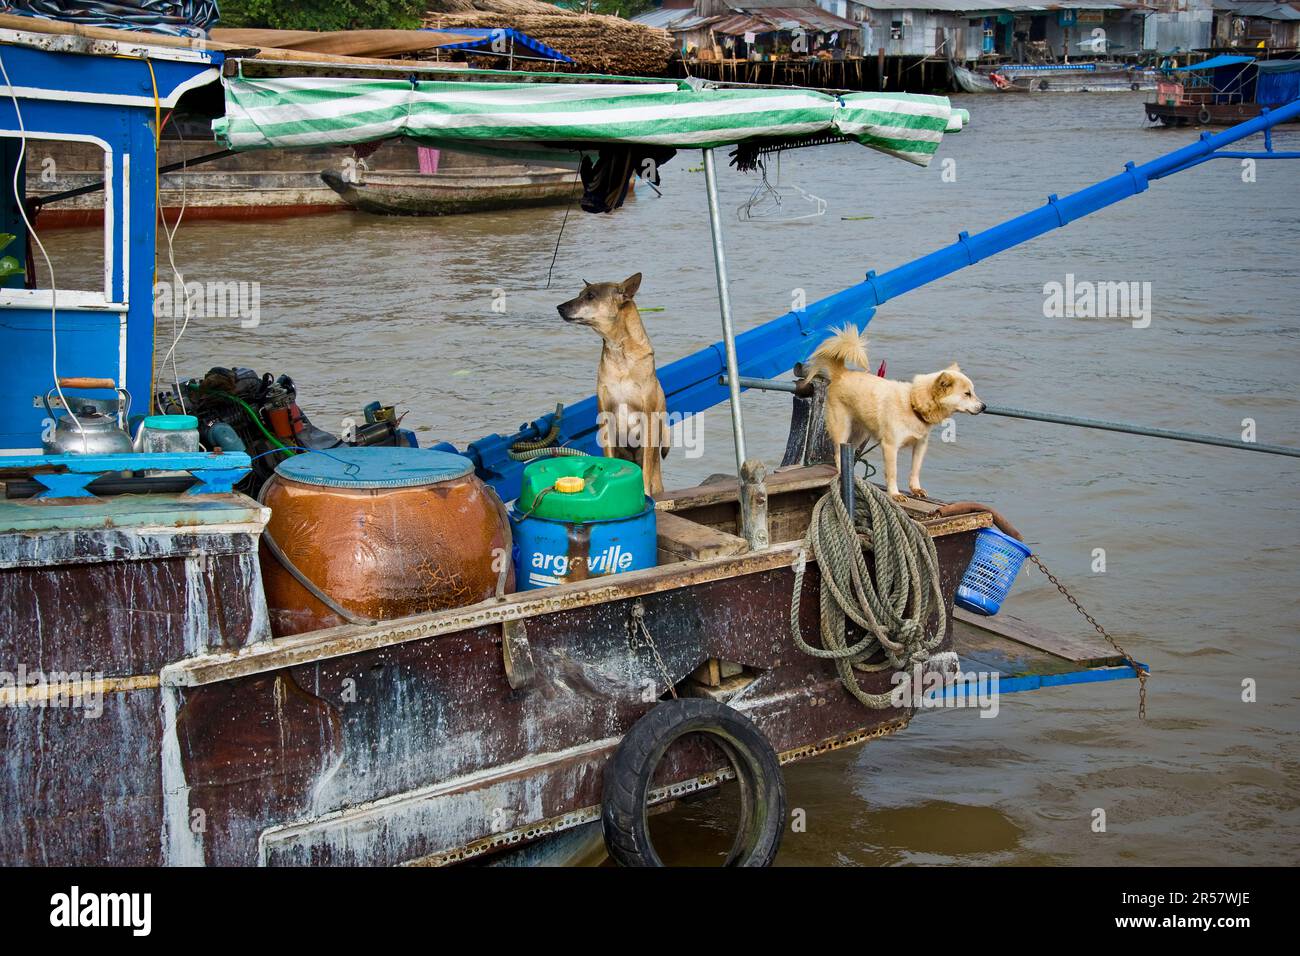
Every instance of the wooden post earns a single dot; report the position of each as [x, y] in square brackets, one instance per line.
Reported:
[880, 68]
[753, 504]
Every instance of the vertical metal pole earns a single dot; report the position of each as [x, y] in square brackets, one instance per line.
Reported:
[724, 306]
[846, 478]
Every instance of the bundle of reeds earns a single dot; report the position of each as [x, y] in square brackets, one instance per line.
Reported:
[598, 44]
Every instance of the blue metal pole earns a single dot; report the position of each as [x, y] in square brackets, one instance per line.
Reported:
[968, 249]
[692, 384]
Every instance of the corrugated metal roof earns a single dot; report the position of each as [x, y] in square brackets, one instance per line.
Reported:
[821, 20]
[770, 20]
[1262, 11]
[814, 17]
[665, 16]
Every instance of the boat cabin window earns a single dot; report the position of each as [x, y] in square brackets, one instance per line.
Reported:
[76, 231]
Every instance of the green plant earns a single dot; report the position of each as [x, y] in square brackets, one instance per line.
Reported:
[627, 9]
[324, 14]
[9, 266]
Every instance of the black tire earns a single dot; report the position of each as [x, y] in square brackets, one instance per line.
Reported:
[1135, 87]
[629, 774]
[1203, 117]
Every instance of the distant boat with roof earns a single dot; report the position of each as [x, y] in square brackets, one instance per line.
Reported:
[1223, 90]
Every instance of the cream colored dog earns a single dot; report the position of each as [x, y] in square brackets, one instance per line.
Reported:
[897, 414]
[633, 412]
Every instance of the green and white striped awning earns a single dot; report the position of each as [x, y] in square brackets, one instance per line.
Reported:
[510, 116]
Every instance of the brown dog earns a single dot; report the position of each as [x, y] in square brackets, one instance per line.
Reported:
[633, 420]
[897, 414]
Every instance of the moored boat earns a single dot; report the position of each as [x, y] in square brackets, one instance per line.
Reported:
[451, 731]
[1089, 77]
[65, 187]
[972, 81]
[1223, 90]
[463, 189]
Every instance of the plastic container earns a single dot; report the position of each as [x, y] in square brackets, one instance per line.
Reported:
[578, 518]
[161, 434]
[991, 572]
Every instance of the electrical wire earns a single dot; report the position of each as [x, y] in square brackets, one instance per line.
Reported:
[49, 265]
[252, 413]
[178, 280]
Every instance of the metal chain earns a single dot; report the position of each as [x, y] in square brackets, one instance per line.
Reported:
[1128, 658]
[637, 624]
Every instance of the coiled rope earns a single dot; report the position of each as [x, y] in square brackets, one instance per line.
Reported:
[893, 609]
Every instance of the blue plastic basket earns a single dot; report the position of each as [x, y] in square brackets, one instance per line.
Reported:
[991, 572]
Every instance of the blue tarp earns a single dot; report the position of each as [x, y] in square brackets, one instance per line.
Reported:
[487, 37]
[1279, 82]
[1279, 66]
[186, 18]
[1213, 63]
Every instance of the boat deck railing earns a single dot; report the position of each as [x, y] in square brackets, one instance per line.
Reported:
[1201, 98]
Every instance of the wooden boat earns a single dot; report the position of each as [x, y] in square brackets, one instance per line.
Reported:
[457, 732]
[476, 729]
[969, 81]
[1054, 78]
[458, 190]
[1222, 91]
[1198, 112]
[280, 183]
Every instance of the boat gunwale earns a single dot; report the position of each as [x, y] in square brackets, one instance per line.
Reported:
[346, 639]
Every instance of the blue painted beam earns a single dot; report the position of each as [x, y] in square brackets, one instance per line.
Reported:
[1028, 682]
[217, 473]
[137, 461]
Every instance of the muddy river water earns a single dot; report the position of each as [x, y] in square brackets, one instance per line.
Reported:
[1200, 544]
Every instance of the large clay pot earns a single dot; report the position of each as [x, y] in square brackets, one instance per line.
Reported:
[383, 532]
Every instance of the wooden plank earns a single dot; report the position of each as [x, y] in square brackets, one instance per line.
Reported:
[779, 482]
[170, 511]
[722, 689]
[379, 44]
[784, 482]
[133, 40]
[685, 540]
[938, 527]
[1082, 650]
[708, 674]
[987, 651]
[348, 639]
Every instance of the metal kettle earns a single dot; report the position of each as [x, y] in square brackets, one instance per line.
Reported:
[94, 426]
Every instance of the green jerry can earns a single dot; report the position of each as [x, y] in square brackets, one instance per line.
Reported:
[580, 517]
